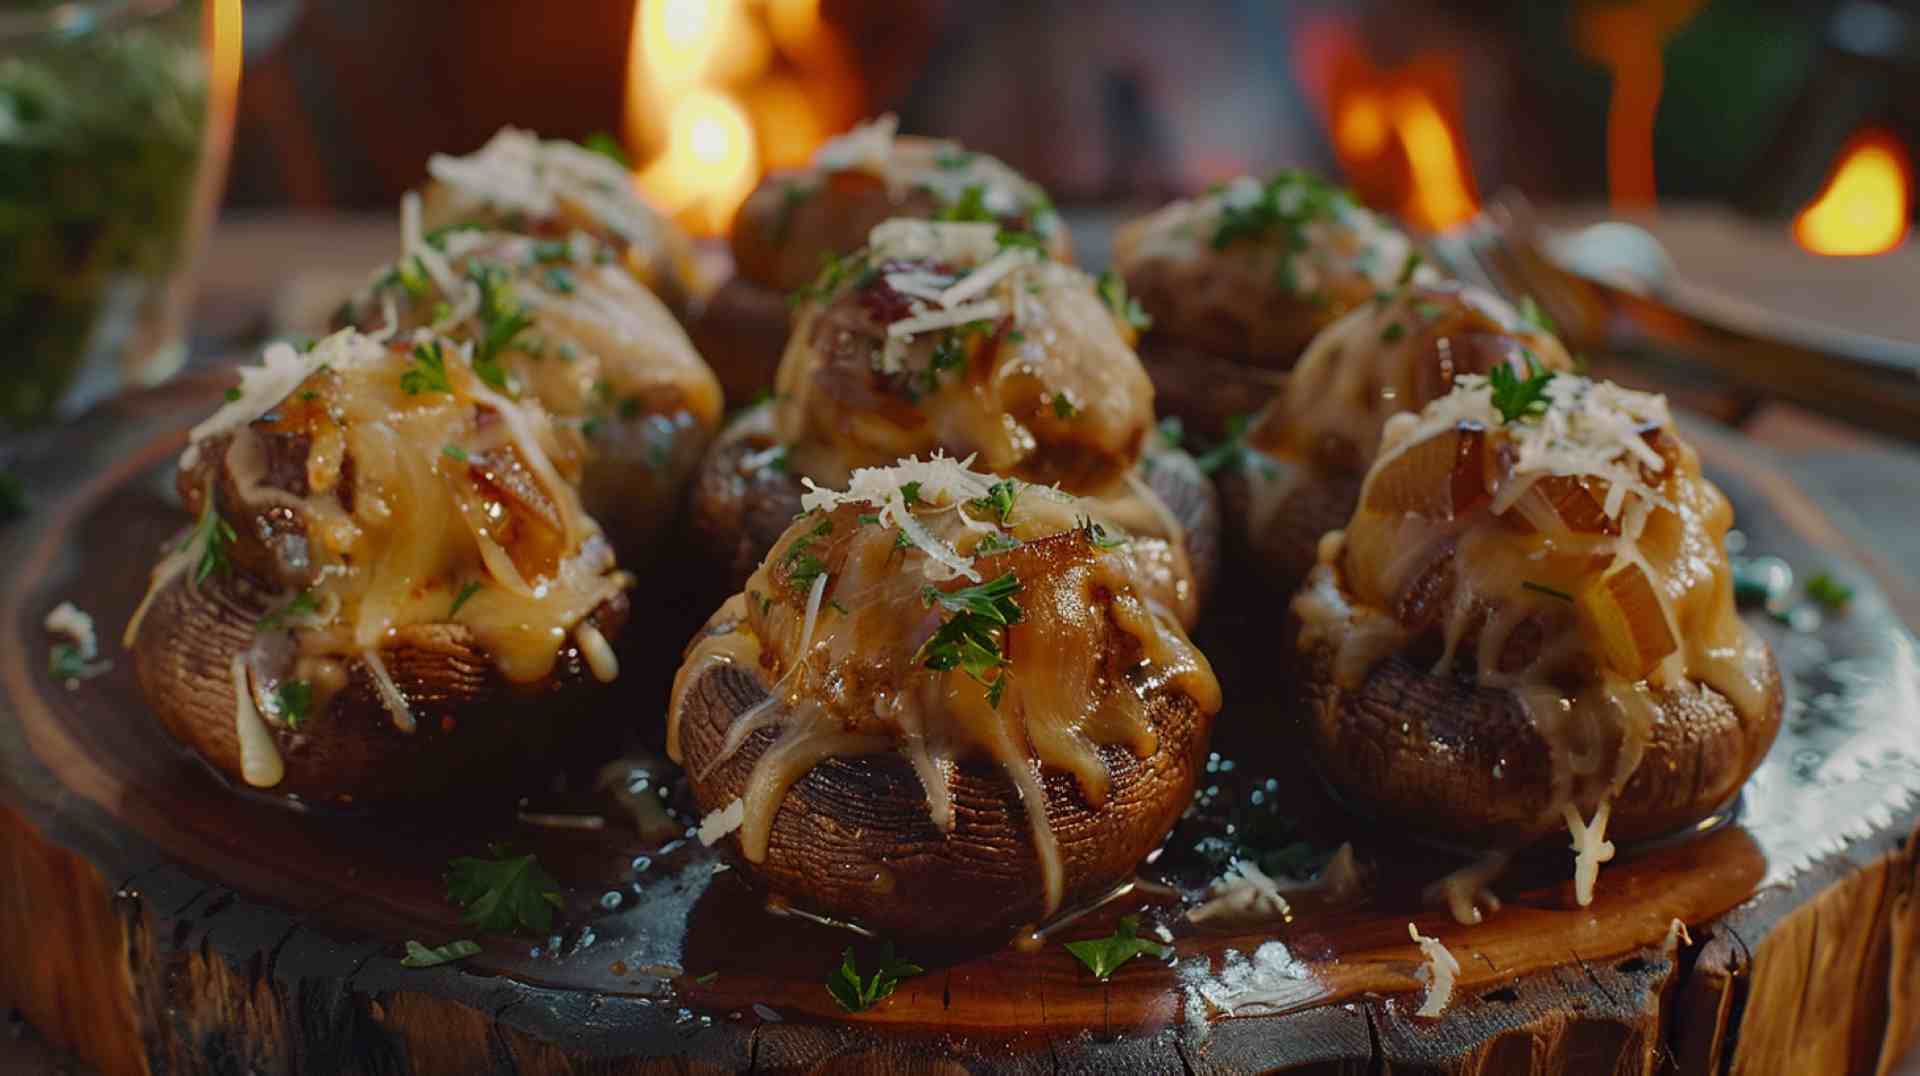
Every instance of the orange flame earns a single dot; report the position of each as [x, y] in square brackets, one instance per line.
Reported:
[1394, 130]
[1867, 202]
[1627, 40]
[704, 93]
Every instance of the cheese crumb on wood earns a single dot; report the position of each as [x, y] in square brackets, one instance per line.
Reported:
[718, 824]
[1438, 973]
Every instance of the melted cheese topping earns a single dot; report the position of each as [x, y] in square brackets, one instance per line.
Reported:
[999, 353]
[1574, 558]
[413, 503]
[841, 613]
[937, 165]
[1391, 355]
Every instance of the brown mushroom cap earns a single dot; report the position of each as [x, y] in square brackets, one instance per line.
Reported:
[1464, 766]
[743, 499]
[469, 718]
[854, 836]
[741, 329]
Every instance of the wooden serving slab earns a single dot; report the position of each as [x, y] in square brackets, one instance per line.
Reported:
[154, 920]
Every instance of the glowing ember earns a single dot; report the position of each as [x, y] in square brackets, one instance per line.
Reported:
[1441, 196]
[1865, 206]
[1627, 39]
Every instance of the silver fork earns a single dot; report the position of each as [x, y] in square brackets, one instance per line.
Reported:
[1865, 380]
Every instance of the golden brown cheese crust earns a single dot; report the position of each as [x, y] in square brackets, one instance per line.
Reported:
[829, 643]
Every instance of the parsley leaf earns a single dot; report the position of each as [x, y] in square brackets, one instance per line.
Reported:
[970, 206]
[1829, 591]
[1285, 204]
[211, 534]
[294, 701]
[1009, 238]
[1533, 316]
[1063, 407]
[999, 499]
[1231, 453]
[419, 956]
[1113, 291]
[1097, 535]
[66, 662]
[910, 493]
[1103, 956]
[460, 599]
[560, 280]
[1410, 267]
[970, 639]
[501, 319]
[801, 565]
[834, 271]
[857, 994]
[1516, 399]
[609, 147]
[504, 893]
[428, 373]
[230, 395]
[300, 605]
[953, 158]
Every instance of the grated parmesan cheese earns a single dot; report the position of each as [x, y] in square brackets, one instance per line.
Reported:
[908, 239]
[718, 824]
[518, 172]
[1244, 892]
[943, 483]
[866, 148]
[996, 269]
[1590, 848]
[281, 370]
[986, 310]
[1438, 973]
[68, 621]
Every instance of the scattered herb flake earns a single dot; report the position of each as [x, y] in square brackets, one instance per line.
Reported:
[560, 280]
[1103, 956]
[1516, 399]
[294, 701]
[504, 893]
[1285, 205]
[419, 956]
[1542, 588]
[953, 158]
[231, 394]
[1113, 292]
[454, 452]
[428, 372]
[1394, 331]
[1232, 453]
[970, 639]
[66, 662]
[709, 977]
[1063, 407]
[608, 146]
[1409, 267]
[1829, 591]
[855, 993]
[1533, 316]
[999, 500]
[910, 493]
[302, 604]
[211, 535]
[1172, 431]
[467, 591]
[971, 205]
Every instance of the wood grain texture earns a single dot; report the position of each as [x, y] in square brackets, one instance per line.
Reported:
[165, 925]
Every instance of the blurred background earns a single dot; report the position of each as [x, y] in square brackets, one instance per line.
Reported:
[1422, 106]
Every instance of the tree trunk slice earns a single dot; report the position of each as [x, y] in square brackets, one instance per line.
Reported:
[153, 920]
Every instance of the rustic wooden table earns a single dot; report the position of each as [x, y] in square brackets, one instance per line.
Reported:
[282, 273]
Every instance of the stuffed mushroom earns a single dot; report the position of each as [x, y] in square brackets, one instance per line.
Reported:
[553, 189]
[967, 339]
[391, 583]
[793, 221]
[1299, 468]
[1238, 281]
[1528, 626]
[944, 705]
[564, 322]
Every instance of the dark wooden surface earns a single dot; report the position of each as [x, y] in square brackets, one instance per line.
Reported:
[154, 921]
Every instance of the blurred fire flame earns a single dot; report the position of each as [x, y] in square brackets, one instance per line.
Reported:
[720, 91]
[1628, 39]
[1395, 130]
[1867, 202]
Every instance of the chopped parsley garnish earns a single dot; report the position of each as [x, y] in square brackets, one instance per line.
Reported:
[1542, 588]
[1829, 591]
[1516, 399]
[1231, 453]
[709, 977]
[995, 543]
[970, 639]
[910, 493]
[1009, 238]
[560, 280]
[866, 519]
[300, 605]
[998, 502]
[419, 956]
[552, 251]
[231, 394]
[801, 565]
[1427, 311]
[211, 535]
[970, 206]
[1410, 267]
[1172, 431]
[428, 373]
[411, 276]
[294, 701]
[1113, 291]
[1533, 316]
[66, 662]
[834, 271]
[1063, 407]
[504, 893]
[953, 158]
[1103, 956]
[467, 591]
[501, 319]
[609, 147]
[855, 993]
[1286, 204]
[454, 452]
[1394, 331]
